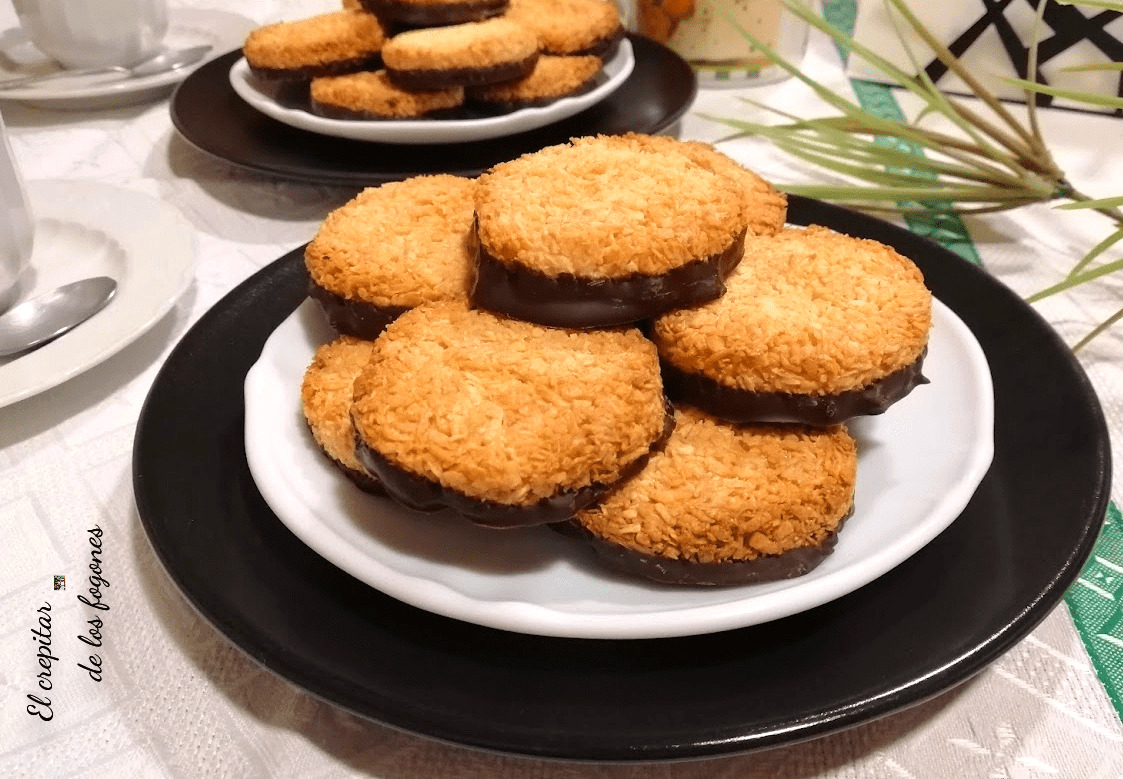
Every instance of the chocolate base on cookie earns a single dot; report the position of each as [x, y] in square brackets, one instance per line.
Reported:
[354, 317]
[421, 494]
[361, 479]
[447, 78]
[738, 405]
[768, 568]
[306, 73]
[570, 301]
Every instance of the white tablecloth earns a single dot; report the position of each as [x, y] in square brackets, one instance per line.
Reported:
[178, 700]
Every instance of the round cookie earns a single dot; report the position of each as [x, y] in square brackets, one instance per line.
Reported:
[391, 248]
[325, 397]
[435, 13]
[728, 504]
[765, 207]
[818, 327]
[460, 55]
[552, 79]
[571, 27]
[371, 95]
[507, 422]
[327, 44]
[595, 233]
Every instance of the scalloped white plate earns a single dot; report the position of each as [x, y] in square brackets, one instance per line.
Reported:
[919, 464]
[187, 27]
[422, 131]
[86, 228]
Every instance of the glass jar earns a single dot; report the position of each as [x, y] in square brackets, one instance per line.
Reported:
[701, 32]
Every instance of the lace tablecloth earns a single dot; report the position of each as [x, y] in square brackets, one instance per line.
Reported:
[178, 700]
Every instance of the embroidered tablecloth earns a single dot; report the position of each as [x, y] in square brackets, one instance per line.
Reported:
[176, 699]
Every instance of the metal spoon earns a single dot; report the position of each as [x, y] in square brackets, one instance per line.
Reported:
[172, 59]
[43, 318]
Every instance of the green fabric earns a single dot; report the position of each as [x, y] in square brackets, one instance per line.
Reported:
[1095, 601]
[1096, 607]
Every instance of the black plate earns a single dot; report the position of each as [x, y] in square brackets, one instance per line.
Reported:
[209, 114]
[925, 626]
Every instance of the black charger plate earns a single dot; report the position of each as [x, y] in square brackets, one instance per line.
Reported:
[922, 628]
[208, 113]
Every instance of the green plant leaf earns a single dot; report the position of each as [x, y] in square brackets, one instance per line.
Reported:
[1096, 251]
[1090, 98]
[1106, 202]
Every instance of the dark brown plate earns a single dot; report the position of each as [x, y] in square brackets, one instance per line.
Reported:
[208, 113]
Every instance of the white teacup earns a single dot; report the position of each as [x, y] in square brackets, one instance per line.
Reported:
[16, 227]
[94, 33]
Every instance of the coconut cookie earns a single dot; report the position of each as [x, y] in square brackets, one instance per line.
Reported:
[819, 327]
[597, 233]
[435, 13]
[325, 396]
[571, 27]
[337, 42]
[371, 95]
[391, 248]
[505, 421]
[460, 55]
[766, 208]
[728, 504]
[552, 79]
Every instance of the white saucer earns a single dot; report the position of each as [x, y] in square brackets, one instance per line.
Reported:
[221, 30]
[423, 131]
[85, 228]
[919, 464]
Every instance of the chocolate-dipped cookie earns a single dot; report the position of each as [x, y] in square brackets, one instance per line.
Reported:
[571, 27]
[507, 422]
[371, 95]
[325, 397]
[294, 52]
[460, 55]
[726, 504]
[595, 233]
[815, 327]
[552, 79]
[391, 248]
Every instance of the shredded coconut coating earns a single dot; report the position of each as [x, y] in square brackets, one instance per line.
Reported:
[371, 92]
[316, 40]
[567, 26]
[765, 207]
[400, 244]
[483, 44]
[552, 77]
[720, 492]
[806, 312]
[507, 411]
[599, 209]
[325, 396]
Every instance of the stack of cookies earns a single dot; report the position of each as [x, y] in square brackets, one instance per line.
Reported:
[411, 59]
[618, 336]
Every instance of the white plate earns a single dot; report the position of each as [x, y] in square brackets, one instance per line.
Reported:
[919, 464]
[221, 30]
[85, 228]
[417, 131]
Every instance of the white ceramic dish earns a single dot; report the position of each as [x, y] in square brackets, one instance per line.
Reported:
[85, 228]
[428, 131]
[221, 30]
[919, 464]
